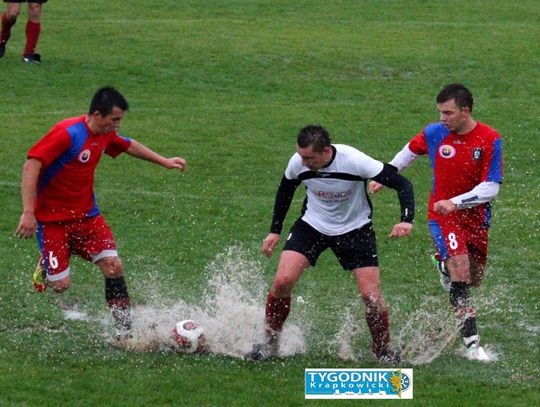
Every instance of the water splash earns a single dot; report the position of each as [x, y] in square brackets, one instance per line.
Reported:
[349, 330]
[231, 311]
[433, 327]
[427, 332]
[493, 355]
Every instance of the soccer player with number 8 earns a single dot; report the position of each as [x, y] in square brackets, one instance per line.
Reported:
[466, 157]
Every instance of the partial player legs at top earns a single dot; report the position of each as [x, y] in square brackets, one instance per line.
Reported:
[9, 18]
[32, 28]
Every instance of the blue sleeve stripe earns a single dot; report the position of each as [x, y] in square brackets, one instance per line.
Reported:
[434, 133]
[495, 166]
[78, 135]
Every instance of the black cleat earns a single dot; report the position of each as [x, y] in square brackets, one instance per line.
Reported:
[122, 322]
[32, 58]
[389, 357]
[262, 351]
[2, 48]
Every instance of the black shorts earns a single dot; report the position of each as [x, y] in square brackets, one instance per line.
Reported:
[354, 249]
[25, 1]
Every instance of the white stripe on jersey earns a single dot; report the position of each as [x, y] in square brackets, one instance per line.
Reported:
[337, 203]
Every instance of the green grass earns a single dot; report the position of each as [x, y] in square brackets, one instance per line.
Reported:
[227, 85]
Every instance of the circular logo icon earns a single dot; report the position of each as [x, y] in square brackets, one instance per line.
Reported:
[84, 156]
[405, 382]
[447, 151]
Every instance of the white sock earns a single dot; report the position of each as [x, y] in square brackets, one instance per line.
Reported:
[471, 340]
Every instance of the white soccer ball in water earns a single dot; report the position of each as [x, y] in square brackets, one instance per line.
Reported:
[189, 336]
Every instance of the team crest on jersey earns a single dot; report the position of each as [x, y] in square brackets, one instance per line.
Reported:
[84, 156]
[447, 151]
[477, 153]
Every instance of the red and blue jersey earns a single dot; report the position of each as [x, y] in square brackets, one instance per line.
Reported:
[69, 154]
[460, 163]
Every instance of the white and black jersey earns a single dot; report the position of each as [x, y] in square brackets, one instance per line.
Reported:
[337, 200]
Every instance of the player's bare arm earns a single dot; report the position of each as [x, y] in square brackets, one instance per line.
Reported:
[28, 224]
[139, 150]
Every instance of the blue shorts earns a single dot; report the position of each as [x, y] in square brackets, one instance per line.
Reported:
[354, 249]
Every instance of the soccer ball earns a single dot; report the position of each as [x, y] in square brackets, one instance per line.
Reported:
[189, 336]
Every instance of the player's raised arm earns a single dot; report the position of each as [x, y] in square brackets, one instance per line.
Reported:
[390, 178]
[139, 150]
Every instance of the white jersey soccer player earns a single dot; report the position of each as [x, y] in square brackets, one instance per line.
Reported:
[336, 215]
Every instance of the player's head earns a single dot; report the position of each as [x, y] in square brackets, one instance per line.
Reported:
[316, 136]
[107, 110]
[454, 103]
[459, 93]
[105, 99]
[314, 147]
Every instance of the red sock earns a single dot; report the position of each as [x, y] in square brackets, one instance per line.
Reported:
[6, 27]
[120, 303]
[277, 311]
[32, 36]
[379, 327]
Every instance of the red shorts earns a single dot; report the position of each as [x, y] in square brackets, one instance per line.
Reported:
[453, 238]
[90, 239]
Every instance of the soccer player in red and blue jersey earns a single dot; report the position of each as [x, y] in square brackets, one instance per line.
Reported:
[466, 157]
[59, 205]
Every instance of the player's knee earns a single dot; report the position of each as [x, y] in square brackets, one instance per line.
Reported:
[34, 12]
[111, 267]
[13, 10]
[60, 286]
[459, 268]
[370, 291]
[11, 16]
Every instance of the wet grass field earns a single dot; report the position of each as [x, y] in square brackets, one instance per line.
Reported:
[227, 85]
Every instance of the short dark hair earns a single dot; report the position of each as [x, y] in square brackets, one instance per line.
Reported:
[105, 99]
[459, 93]
[316, 136]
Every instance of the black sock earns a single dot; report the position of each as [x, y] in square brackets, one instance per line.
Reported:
[459, 298]
[118, 300]
[116, 291]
